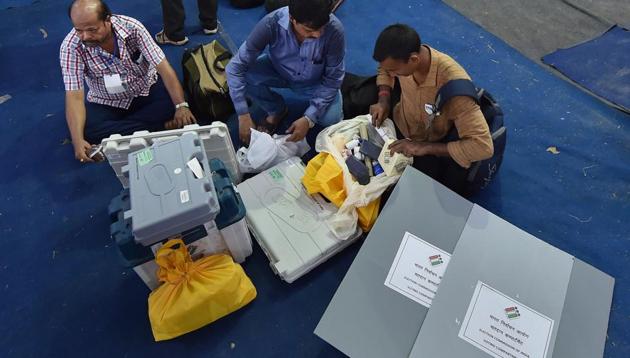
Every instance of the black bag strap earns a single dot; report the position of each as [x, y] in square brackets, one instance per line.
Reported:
[453, 88]
[205, 62]
[217, 61]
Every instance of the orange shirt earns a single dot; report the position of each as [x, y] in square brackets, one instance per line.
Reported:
[475, 142]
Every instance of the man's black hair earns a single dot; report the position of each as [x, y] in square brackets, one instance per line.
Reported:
[311, 13]
[103, 11]
[397, 42]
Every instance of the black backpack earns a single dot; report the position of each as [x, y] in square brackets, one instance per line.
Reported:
[481, 173]
[360, 92]
[271, 5]
[246, 4]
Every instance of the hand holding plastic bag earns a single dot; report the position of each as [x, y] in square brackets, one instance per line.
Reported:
[266, 151]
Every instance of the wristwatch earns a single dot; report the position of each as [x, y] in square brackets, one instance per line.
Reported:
[311, 124]
[180, 105]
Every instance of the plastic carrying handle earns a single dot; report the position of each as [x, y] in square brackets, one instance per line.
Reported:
[232, 208]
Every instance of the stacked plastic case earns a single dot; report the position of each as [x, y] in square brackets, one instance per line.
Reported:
[167, 198]
[215, 137]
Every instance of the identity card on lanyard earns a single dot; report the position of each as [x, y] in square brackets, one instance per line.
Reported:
[114, 83]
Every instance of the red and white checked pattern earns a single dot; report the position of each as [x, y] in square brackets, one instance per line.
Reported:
[138, 57]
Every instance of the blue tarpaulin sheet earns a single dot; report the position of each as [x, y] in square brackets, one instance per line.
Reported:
[601, 65]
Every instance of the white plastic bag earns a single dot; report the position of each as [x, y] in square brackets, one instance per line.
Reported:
[265, 151]
[344, 223]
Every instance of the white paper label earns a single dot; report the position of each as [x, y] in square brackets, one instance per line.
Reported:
[183, 196]
[417, 269]
[113, 84]
[196, 168]
[504, 327]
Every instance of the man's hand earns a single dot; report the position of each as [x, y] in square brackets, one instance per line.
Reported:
[409, 148]
[183, 116]
[379, 112]
[81, 150]
[245, 124]
[298, 130]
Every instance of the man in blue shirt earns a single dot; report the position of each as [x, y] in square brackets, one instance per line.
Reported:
[306, 49]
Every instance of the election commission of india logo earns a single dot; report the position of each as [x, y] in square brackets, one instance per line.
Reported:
[436, 260]
[512, 312]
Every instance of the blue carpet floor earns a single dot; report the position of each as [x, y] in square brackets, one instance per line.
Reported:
[64, 293]
[601, 65]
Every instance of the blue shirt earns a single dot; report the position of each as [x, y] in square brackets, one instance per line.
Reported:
[315, 61]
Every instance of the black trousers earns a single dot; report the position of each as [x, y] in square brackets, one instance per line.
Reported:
[443, 169]
[145, 113]
[173, 15]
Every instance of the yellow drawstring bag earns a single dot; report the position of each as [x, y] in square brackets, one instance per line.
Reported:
[194, 293]
[323, 175]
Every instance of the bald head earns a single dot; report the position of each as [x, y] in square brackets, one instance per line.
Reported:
[93, 9]
[92, 22]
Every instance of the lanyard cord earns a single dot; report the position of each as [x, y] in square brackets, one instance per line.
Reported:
[110, 60]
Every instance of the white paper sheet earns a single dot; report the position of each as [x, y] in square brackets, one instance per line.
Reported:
[417, 269]
[504, 327]
[196, 167]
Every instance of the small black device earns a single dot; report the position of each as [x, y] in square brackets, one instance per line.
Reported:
[370, 149]
[358, 170]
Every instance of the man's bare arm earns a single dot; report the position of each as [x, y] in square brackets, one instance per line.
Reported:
[76, 118]
[183, 116]
[171, 82]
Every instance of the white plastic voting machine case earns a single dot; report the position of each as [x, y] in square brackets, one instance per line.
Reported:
[215, 137]
[288, 223]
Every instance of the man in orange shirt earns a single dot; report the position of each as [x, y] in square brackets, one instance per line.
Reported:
[421, 71]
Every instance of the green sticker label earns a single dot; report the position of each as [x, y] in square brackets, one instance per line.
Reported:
[144, 157]
[276, 175]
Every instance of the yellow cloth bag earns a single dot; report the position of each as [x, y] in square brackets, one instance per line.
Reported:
[194, 293]
[368, 214]
[323, 175]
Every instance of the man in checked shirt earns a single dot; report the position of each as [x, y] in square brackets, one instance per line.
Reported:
[118, 59]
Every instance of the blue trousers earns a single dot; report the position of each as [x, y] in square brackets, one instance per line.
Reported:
[261, 78]
[145, 113]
